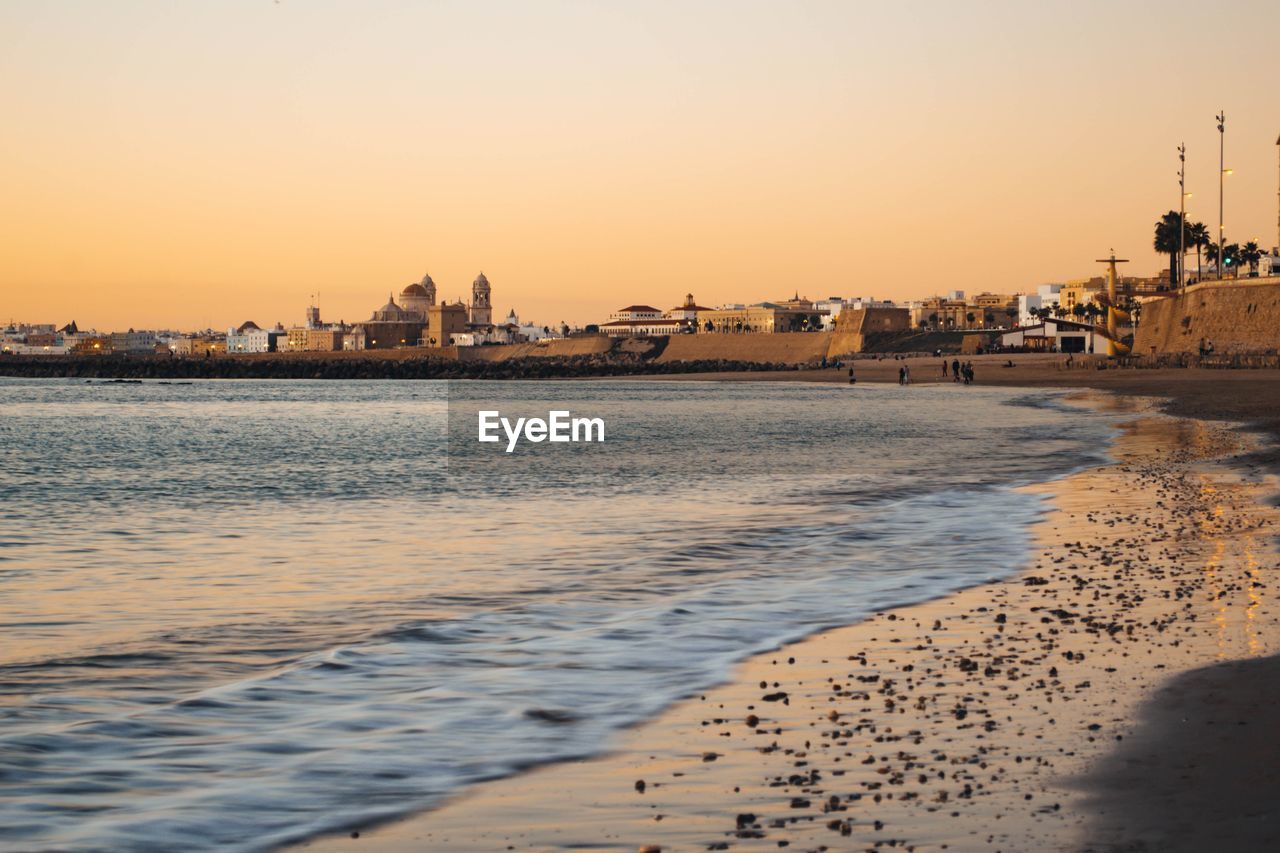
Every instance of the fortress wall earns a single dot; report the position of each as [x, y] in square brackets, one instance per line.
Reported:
[782, 348]
[853, 327]
[1239, 317]
[562, 347]
[845, 343]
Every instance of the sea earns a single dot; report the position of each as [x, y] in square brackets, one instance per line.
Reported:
[239, 614]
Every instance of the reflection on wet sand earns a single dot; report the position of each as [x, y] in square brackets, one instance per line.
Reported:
[969, 721]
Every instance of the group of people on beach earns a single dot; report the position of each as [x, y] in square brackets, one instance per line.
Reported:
[960, 372]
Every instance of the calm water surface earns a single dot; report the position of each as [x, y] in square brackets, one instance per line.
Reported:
[242, 613]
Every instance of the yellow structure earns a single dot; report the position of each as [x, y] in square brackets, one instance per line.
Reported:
[324, 340]
[768, 317]
[1114, 315]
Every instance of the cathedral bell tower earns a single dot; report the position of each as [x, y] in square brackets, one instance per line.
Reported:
[481, 306]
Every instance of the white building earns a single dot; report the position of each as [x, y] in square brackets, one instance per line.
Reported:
[249, 338]
[1057, 336]
[688, 310]
[830, 309]
[645, 320]
[530, 331]
[1046, 296]
[636, 312]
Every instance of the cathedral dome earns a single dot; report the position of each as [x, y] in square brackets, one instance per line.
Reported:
[417, 298]
[390, 313]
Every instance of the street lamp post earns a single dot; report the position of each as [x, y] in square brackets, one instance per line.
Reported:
[1222, 174]
[1182, 215]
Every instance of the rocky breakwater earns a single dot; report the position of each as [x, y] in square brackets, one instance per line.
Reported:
[357, 366]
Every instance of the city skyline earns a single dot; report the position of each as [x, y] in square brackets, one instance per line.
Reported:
[191, 167]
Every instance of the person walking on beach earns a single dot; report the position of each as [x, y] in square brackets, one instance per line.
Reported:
[902, 376]
[955, 369]
[852, 378]
[944, 368]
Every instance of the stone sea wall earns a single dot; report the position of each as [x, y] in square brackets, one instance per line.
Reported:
[1238, 317]
[783, 348]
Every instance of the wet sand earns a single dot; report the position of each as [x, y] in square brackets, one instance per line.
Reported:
[1235, 395]
[1023, 714]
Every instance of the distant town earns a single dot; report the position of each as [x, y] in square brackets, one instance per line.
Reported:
[1056, 317]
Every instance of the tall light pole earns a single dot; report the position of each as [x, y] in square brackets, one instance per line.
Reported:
[1278, 201]
[1182, 215]
[1222, 175]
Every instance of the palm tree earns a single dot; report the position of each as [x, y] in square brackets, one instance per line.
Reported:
[969, 318]
[1211, 254]
[1198, 236]
[1168, 242]
[1250, 254]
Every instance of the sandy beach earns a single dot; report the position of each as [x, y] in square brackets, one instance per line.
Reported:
[1110, 696]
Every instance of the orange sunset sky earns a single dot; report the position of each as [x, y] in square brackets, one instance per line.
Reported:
[201, 163]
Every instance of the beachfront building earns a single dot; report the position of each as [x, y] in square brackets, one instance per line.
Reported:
[1056, 335]
[645, 320]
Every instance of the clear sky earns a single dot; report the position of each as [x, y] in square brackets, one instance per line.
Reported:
[183, 164]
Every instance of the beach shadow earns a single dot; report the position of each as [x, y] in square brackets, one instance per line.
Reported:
[1202, 770]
